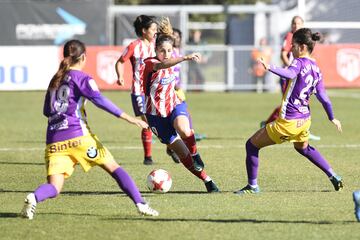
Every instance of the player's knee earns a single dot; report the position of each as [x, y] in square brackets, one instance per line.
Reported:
[250, 147]
[304, 151]
[185, 132]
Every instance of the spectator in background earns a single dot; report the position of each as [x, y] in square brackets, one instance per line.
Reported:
[257, 69]
[196, 75]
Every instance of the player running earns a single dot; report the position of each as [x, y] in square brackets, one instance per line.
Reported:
[164, 111]
[69, 139]
[293, 124]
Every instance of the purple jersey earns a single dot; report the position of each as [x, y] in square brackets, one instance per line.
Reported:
[177, 68]
[304, 78]
[65, 110]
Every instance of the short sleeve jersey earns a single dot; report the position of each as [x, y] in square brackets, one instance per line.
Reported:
[295, 102]
[137, 52]
[160, 96]
[65, 107]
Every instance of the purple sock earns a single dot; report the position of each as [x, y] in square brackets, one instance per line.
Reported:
[45, 191]
[127, 185]
[252, 162]
[315, 157]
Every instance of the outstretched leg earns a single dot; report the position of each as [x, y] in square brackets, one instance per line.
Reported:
[185, 157]
[127, 184]
[43, 192]
[317, 159]
[182, 126]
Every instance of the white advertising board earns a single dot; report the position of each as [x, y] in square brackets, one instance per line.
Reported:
[27, 67]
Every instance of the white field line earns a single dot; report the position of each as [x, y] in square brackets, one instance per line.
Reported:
[343, 94]
[240, 145]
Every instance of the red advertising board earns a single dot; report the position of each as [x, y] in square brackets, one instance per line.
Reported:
[101, 66]
[340, 64]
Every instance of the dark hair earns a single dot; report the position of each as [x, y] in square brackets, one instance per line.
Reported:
[305, 36]
[178, 32]
[161, 38]
[72, 52]
[141, 22]
[296, 17]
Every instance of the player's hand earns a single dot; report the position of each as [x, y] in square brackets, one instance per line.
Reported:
[337, 123]
[141, 123]
[194, 57]
[133, 120]
[262, 61]
[120, 82]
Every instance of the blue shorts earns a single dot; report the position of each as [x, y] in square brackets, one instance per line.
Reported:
[138, 103]
[163, 127]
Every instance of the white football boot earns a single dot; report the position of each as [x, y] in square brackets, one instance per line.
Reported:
[145, 210]
[29, 208]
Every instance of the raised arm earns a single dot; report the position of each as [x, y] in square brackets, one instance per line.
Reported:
[173, 61]
[288, 73]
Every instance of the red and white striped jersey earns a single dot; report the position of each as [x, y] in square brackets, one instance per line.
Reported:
[137, 51]
[159, 88]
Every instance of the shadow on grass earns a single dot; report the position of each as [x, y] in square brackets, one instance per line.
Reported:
[77, 193]
[240, 220]
[164, 220]
[9, 215]
[21, 163]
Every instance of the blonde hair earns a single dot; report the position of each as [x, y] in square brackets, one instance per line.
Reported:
[165, 26]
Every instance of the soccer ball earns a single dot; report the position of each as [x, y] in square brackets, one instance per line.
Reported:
[159, 181]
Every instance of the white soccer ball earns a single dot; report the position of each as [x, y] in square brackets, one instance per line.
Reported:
[159, 181]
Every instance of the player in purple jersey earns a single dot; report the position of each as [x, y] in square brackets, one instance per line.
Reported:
[69, 139]
[293, 124]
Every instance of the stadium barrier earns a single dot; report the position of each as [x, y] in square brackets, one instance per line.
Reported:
[31, 67]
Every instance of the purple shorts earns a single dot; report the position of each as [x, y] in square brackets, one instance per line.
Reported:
[138, 103]
[163, 127]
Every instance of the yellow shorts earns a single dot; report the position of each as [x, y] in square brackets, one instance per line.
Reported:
[282, 130]
[61, 157]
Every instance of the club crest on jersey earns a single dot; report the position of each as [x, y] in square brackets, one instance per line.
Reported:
[167, 80]
[92, 152]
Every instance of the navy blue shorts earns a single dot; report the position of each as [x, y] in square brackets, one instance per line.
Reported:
[138, 103]
[163, 127]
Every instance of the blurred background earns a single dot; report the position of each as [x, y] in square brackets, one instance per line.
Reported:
[229, 34]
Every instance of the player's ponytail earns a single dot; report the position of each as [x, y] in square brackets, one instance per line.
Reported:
[165, 32]
[305, 36]
[316, 36]
[165, 26]
[73, 51]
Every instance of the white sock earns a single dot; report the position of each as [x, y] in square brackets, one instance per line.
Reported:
[207, 179]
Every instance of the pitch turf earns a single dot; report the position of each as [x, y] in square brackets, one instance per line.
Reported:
[297, 199]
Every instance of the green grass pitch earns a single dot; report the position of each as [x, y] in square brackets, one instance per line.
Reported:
[297, 200]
